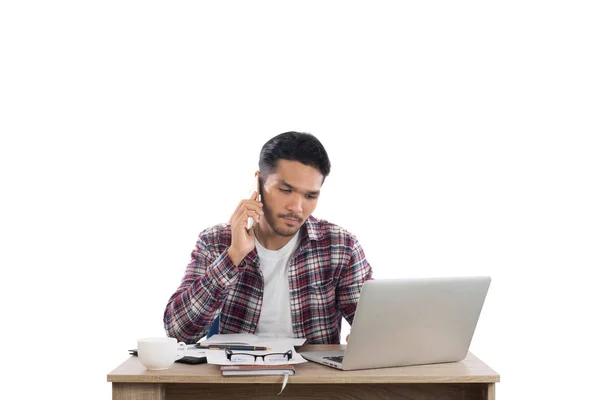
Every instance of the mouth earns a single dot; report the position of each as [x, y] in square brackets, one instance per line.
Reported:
[290, 221]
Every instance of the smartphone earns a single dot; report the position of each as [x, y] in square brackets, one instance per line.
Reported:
[183, 360]
[257, 190]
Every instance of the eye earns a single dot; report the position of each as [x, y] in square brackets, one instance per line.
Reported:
[311, 196]
[285, 190]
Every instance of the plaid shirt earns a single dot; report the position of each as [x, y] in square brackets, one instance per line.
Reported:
[326, 274]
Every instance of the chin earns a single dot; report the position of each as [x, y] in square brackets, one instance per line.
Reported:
[287, 231]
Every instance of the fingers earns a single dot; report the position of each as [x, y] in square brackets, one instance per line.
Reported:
[242, 218]
[247, 208]
[242, 238]
[250, 210]
[254, 215]
[253, 197]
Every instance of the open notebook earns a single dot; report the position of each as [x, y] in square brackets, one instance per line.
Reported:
[246, 339]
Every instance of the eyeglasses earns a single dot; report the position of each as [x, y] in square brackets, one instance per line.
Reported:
[272, 358]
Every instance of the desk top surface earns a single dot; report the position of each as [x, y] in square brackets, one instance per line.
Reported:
[470, 370]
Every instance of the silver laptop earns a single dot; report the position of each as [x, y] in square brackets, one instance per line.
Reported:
[410, 321]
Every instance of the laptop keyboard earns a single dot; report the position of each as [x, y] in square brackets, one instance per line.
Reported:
[335, 358]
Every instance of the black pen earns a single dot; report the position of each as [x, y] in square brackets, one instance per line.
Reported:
[236, 347]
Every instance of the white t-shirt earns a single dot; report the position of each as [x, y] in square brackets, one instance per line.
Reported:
[276, 315]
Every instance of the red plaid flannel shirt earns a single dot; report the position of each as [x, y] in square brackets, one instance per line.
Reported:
[326, 274]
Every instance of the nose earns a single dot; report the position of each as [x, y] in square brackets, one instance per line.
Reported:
[295, 204]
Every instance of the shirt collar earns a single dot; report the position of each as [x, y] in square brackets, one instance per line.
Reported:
[309, 231]
[312, 229]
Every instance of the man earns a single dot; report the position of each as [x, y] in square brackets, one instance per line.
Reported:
[290, 275]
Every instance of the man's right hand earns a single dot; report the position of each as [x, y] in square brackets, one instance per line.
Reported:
[242, 239]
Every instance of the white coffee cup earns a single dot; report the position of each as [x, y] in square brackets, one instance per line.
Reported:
[159, 353]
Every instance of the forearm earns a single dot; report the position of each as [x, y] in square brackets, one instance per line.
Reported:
[192, 308]
[355, 274]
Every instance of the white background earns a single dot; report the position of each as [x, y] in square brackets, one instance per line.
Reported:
[463, 138]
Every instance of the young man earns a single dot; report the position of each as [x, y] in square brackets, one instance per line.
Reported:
[290, 275]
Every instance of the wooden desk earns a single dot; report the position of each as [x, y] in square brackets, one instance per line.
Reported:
[468, 379]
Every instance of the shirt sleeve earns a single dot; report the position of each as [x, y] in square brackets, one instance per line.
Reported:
[355, 273]
[196, 303]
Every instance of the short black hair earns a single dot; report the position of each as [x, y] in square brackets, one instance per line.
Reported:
[294, 146]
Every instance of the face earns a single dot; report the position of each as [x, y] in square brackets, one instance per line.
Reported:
[290, 196]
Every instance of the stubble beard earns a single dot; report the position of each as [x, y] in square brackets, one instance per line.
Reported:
[281, 231]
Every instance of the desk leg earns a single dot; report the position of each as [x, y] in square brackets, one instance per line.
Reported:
[491, 391]
[138, 391]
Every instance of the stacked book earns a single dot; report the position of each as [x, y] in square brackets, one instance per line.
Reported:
[239, 370]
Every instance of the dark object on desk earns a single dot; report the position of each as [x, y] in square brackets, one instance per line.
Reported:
[214, 328]
[184, 360]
